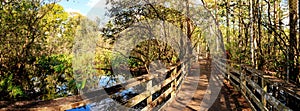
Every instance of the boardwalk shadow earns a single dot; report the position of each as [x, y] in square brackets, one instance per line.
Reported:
[227, 100]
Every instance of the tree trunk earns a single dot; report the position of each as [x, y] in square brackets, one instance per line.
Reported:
[227, 22]
[292, 39]
[252, 33]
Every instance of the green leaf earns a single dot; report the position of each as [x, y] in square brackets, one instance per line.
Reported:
[16, 91]
[83, 84]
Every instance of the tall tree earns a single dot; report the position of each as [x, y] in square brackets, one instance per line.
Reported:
[292, 38]
[21, 42]
[28, 70]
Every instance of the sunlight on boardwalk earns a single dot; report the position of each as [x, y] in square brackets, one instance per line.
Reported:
[228, 99]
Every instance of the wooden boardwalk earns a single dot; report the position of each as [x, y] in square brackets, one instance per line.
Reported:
[227, 100]
[242, 89]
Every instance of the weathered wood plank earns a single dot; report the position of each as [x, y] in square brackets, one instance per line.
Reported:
[158, 100]
[254, 98]
[56, 104]
[269, 79]
[137, 99]
[228, 73]
[179, 81]
[248, 101]
[272, 100]
[136, 81]
[247, 92]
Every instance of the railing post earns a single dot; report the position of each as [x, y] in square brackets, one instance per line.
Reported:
[173, 84]
[243, 80]
[264, 86]
[227, 66]
[148, 88]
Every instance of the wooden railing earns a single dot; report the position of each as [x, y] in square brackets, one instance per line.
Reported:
[167, 91]
[263, 91]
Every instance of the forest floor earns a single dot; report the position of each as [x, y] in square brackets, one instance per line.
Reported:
[227, 100]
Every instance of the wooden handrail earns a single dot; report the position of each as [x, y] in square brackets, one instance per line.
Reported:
[72, 102]
[254, 86]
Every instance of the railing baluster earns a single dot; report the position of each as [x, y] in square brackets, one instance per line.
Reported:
[243, 80]
[264, 86]
[174, 73]
[174, 82]
[149, 87]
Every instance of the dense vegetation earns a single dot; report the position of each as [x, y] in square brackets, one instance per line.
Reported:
[35, 51]
[43, 48]
[261, 33]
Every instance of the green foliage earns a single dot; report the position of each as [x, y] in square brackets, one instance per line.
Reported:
[152, 50]
[134, 63]
[56, 73]
[12, 90]
[84, 62]
[36, 40]
[15, 91]
[60, 29]
[21, 42]
[103, 62]
[124, 16]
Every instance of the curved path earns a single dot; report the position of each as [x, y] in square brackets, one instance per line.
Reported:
[227, 100]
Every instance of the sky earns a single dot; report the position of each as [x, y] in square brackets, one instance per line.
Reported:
[90, 8]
